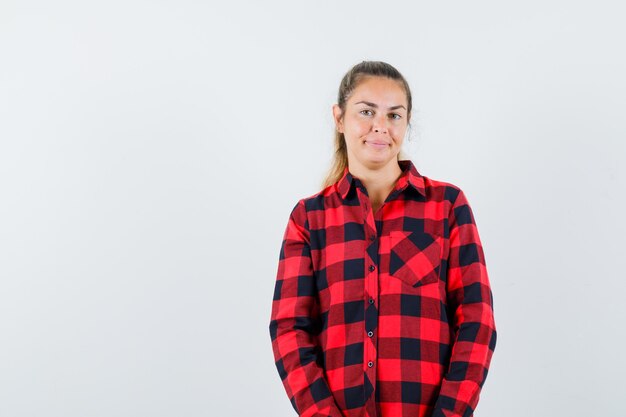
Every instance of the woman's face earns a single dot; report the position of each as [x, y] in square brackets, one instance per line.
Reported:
[374, 122]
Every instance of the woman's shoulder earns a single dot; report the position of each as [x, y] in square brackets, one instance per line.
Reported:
[317, 199]
[455, 197]
[436, 189]
[449, 189]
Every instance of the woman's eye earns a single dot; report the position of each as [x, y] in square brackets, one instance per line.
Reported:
[396, 116]
[366, 112]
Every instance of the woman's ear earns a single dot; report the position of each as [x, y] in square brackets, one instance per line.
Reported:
[337, 116]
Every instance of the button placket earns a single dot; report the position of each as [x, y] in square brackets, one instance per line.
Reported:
[371, 284]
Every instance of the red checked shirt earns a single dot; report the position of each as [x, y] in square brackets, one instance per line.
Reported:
[385, 314]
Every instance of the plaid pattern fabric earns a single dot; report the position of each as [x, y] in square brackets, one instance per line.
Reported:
[386, 314]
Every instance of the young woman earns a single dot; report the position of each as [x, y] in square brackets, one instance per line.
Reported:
[382, 304]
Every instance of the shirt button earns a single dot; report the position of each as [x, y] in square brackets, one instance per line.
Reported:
[370, 364]
[372, 237]
[372, 267]
[370, 333]
[371, 301]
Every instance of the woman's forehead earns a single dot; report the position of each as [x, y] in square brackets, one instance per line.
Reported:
[379, 90]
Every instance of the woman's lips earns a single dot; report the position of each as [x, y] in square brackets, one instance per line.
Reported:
[377, 145]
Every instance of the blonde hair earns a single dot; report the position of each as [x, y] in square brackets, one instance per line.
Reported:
[350, 81]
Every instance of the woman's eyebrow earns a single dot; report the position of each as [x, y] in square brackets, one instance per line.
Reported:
[376, 106]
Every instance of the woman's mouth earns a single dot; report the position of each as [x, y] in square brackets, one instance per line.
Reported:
[377, 144]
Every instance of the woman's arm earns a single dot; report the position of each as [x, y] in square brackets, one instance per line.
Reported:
[294, 323]
[470, 301]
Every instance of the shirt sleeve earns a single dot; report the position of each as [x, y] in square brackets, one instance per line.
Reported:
[295, 324]
[470, 304]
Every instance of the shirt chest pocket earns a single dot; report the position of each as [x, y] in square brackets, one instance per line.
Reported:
[415, 257]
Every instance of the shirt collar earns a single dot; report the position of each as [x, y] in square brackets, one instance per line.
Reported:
[410, 176]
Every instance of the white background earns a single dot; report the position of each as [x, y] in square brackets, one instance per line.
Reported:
[151, 151]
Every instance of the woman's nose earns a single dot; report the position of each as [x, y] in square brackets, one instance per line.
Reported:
[380, 124]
